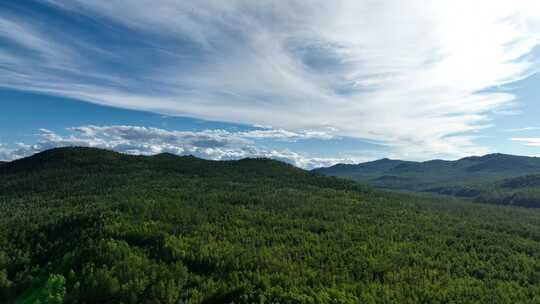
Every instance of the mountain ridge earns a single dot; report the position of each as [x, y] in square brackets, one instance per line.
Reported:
[489, 156]
[492, 161]
[81, 161]
[480, 177]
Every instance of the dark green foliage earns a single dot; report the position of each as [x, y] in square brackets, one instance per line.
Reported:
[521, 191]
[521, 182]
[93, 226]
[54, 290]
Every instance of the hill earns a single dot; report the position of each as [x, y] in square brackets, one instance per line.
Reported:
[81, 225]
[467, 177]
[519, 191]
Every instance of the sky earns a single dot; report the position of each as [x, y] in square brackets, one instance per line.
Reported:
[312, 83]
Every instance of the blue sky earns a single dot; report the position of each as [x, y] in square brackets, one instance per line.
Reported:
[309, 83]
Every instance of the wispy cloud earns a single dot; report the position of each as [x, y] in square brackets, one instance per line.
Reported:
[411, 74]
[524, 129]
[528, 141]
[286, 135]
[209, 144]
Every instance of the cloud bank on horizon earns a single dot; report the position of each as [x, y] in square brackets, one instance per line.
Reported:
[208, 144]
[421, 77]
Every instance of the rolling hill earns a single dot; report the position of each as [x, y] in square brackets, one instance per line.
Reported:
[519, 191]
[82, 225]
[472, 177]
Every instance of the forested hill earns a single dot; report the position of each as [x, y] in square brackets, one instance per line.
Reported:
[468, 177]
[59, 164]
[81, 225]
[422, 174]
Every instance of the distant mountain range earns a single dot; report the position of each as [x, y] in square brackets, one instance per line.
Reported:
[494, 178]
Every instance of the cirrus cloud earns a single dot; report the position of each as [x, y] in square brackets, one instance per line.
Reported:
[415, 75]
[528, 141]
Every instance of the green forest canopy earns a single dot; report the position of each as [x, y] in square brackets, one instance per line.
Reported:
[81, 225]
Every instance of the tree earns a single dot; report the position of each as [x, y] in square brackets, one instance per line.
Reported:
[54, 290]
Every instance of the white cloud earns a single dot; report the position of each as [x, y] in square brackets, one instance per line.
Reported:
[412, 74]
[208, 144]
[286, 135]
[524, 129]
[6, 153]
[528, 141]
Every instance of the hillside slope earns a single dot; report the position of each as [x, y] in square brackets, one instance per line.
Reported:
[467, 177]
[518, 191]
[80, 225]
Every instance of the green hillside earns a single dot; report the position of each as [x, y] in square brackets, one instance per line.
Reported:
[518, 191]
[471, 177]
[81, 225]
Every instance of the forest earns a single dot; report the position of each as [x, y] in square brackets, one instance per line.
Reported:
[83, 225]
